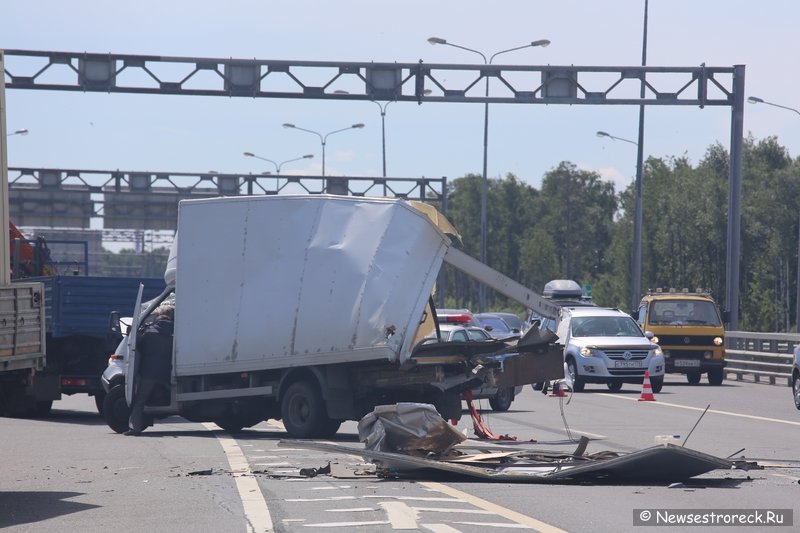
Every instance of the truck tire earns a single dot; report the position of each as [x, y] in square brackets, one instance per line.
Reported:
[303, 411]
[501, 401]
[115, 409]
[715, 376]
[42, 409]
[693, 377]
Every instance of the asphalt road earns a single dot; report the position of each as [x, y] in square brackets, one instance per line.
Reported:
[71, 473]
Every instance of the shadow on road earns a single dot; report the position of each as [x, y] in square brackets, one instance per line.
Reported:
[28, 507]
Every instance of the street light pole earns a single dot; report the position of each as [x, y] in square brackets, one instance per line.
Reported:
[278, 166]
[323, 138]
[636, 247]
[757, 100]
[484, 177]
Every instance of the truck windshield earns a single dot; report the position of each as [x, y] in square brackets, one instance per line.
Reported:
[689, 312]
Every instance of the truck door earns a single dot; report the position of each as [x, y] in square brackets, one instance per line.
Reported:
[132, 370]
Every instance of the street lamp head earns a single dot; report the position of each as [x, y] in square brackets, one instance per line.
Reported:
[541, 42]
[755, 100]
[308, 156]
[248, 154]
[603, 134]
[287, 125]
[436, 40]
[356, 126]
[23, 131]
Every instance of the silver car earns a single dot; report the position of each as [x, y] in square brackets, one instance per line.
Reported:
[604, 345]
[500, 399]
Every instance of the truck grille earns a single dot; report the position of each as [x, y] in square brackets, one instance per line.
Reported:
[686, 340]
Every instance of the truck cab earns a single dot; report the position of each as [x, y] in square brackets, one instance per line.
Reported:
[688, 327]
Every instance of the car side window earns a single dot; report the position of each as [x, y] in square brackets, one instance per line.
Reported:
[460, 336]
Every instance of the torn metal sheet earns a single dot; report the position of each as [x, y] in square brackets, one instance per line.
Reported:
[661, 463]
[407, 427]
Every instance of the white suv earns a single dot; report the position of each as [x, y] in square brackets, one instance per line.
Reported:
[604, 345]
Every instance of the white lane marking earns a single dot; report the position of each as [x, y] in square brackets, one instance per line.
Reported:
[596, 435]
[347, 524]
[255, 507]
[450, 510]
[785, 476]
[400, 515]
[354, 510]
[726, 413]
[496, 525]
[331, 499]
[440, 528]
[392, 497]
[337, 487]
[514, 516]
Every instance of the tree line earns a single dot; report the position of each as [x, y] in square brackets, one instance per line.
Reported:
[577, 226]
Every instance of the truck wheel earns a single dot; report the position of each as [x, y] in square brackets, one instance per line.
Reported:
[693, 377]
[501, 401]
[572, 369]
[115, 409]
[715, 376]
[657, 384]
[303, 411]
[99, 400]
[42, 409]
[330, 428]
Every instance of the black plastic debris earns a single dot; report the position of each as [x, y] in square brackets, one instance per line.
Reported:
[314, 472]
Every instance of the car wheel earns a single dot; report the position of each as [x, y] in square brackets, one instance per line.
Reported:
[115, 409]
[99, 400]
[303, 411]
[502, 399]
[572, 369]
[656, 384]
[614, 386]
[715, 376]
[693, 377]
[538, 386]
[796, 390]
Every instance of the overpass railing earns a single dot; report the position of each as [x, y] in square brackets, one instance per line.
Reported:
[760, 356]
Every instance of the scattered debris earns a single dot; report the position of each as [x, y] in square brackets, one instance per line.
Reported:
[201, 472]
[415, 428]
[481, 431]
[662, 463]
[314, 472]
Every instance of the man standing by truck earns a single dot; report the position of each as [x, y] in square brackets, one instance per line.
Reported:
[155, 349]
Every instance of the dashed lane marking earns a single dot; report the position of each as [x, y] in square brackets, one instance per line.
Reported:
[255, 507]
[726, 413]
[514, 516]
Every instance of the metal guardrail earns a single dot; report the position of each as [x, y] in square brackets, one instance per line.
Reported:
[760, 355]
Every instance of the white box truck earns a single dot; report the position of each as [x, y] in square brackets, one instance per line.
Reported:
[312, 310]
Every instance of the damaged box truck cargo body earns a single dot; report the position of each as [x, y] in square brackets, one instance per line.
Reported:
[312, 309]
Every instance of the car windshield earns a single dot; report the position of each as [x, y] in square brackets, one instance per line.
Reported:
[694, 312]
[514, 322]
[477, 335]
[495, 323]
[604, 326]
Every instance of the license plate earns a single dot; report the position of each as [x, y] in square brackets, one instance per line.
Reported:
[687, 362]
[627, 364]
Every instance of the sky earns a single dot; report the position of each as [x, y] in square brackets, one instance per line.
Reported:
[75, 130]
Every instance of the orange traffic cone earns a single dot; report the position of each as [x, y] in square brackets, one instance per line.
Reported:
[558, 391]
[647, 391]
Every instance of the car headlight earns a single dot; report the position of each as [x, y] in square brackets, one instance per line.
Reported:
[718, 341]
[657, 351]
[654, 339]
[588, 351]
